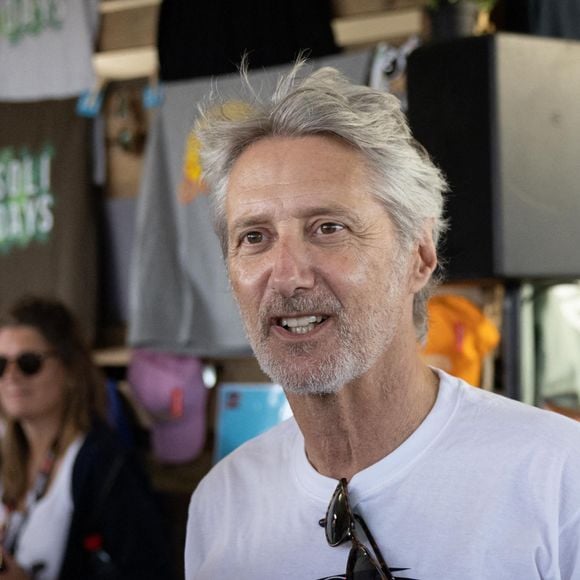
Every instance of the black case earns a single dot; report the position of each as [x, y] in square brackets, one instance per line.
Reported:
[500, 115]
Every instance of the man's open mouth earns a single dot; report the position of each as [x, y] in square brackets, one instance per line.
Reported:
[301, 324]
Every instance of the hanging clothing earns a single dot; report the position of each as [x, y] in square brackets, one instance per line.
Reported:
[179, 295]
[197, 39]
[389, 68]
[557, 321]
[46, 48]
[47, 213]
[171, 389]
[461, 335]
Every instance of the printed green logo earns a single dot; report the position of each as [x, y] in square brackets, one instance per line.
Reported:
[26, 199]
[20, 18]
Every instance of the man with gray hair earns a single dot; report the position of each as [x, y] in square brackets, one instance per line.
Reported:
[329, 214]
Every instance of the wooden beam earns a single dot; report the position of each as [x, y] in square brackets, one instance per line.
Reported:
[142, 62]
[126, 64]
[353, 30]
[120, 5]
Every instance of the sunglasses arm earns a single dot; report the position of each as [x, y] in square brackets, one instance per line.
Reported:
[374, 546]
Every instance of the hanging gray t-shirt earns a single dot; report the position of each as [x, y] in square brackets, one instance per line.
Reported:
[179, 295]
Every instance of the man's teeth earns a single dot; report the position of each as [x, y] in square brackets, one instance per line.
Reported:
[301, 324]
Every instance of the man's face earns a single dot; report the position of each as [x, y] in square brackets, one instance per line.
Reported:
[314, 262]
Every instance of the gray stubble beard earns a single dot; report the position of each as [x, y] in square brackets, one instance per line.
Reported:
[360, 341]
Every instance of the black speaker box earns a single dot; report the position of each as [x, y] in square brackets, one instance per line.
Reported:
[500, 114]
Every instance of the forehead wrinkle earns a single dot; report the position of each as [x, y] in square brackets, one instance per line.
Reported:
[279, 194]
[256, 181]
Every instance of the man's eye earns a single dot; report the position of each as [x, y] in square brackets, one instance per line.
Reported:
[330, 228]
[253, 238]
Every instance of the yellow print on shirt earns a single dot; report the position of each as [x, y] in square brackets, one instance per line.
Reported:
[192, 184]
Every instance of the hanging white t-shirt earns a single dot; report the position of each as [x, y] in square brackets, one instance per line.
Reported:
[43, 537]
[485, 489]
[46, 48]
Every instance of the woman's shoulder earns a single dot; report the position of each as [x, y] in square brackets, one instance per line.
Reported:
[101, 453]
[99, 444]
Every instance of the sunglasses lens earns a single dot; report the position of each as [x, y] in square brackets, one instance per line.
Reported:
[29, 363]
[3, 363]
[361, 566]
[338, 518]
[340, 526]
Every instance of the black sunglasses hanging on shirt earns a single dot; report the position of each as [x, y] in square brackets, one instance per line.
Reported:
[340, 526]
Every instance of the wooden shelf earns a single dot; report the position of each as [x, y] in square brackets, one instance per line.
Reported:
[350, 31]
[117, 356]
[377, 27]
[121, 5]
[126, 64]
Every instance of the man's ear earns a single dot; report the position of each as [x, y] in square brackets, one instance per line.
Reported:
[424, 260]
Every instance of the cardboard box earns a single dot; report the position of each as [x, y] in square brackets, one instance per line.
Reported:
[128, 28]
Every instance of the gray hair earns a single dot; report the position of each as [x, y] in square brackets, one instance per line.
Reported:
[402, 176]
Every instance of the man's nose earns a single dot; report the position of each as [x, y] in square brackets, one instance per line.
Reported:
[292, 269]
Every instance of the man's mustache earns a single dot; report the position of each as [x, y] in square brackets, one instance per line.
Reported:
[303, 303]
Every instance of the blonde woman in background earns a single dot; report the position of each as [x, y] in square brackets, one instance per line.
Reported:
[74, 502]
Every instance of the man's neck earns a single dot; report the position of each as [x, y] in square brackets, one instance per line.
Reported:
[368, 419]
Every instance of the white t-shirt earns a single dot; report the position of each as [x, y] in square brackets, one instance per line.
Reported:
[44, 535]
[485, 489]
[46, 48]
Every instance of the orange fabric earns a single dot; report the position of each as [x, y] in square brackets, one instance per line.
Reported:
[459, 336]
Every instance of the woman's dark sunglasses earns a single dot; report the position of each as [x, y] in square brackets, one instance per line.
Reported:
[28, 363]
[340, 526]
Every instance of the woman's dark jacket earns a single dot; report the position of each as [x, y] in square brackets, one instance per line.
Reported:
[115, 509]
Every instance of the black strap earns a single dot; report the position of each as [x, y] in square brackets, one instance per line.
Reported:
[98, 506]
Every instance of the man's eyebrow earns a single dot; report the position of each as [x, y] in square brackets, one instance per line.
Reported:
[330, 210]
[249, 221]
